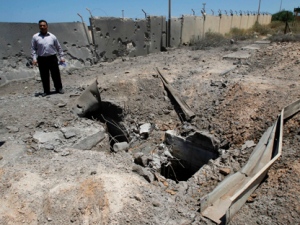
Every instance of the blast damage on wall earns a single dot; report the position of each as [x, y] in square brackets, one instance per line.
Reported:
[112, 38]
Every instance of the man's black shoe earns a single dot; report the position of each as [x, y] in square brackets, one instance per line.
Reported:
[44, 94]
[60, 91]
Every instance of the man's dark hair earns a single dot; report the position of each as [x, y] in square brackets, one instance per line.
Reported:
[43, 21]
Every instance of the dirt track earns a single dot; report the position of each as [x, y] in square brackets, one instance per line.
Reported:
[68, 185]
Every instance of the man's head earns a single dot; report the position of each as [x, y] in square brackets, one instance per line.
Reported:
[43, 26]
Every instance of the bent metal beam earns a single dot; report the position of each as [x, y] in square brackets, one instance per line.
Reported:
[229, 196]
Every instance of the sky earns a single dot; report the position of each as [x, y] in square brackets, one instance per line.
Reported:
[29, 11]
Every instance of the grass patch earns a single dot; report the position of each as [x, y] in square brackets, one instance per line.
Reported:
[240, 34]
[278, 28]
[290, 37]
[211, 40]
[275, 30]
[261, 29]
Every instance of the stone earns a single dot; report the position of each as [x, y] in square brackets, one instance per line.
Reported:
[155, 203]
[44, 137]
[121, 146]
[87, 143]
[138, 197]
[48, 146]
[250, 199]
[65, 153]
[68, 133]
[12, 129]
[145, 129]
[225, 171]
[248, 144]
[140, 159]
[143, 172]
[60, 105]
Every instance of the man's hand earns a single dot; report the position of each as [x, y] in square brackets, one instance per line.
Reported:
[34, 63]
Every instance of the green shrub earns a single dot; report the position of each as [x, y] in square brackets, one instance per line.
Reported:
[283, 16]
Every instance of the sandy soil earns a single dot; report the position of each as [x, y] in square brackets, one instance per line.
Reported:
[65, 185]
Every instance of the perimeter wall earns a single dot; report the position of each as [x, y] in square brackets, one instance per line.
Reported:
[108, 38]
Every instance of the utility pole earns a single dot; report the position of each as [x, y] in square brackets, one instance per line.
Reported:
[258, 11]
[280, 6]
[169, 25]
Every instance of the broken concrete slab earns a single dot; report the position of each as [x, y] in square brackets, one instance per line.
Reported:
[237, 55]
[68, 132]
[88, 102]
[194, 150]
[251, 47]
[263, 42]
[90, 141]
[47, 137]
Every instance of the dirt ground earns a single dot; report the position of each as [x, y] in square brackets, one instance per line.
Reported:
[64, 185]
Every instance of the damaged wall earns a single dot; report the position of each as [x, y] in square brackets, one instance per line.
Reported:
[113, 37]
[117, 37]
[176, 32]
[15, 43]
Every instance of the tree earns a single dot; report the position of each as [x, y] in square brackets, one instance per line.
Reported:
[283, 16]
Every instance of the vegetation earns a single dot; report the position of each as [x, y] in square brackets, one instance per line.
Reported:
[283, 16]
[275, 30]
[240, 34]
[211, 39]
[261, 29]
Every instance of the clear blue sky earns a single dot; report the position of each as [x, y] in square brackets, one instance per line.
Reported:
[29, 11]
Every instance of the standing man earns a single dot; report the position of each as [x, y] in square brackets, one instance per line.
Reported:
[44, 48]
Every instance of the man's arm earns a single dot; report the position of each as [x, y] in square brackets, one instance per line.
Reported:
[59, 50]
[33, 51]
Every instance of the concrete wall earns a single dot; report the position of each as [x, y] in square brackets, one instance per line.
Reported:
[211, 24]
[74, 39]
[244, 22]
[251, 21]
[188, 30]
[192, 29]
[176, 31]
[15, 43]
[225, 24]
[113, 37]
[117, 37]
[158, 33]
[235, 21]
[199, 29]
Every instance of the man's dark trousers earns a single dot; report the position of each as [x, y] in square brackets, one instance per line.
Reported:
[49, 64]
